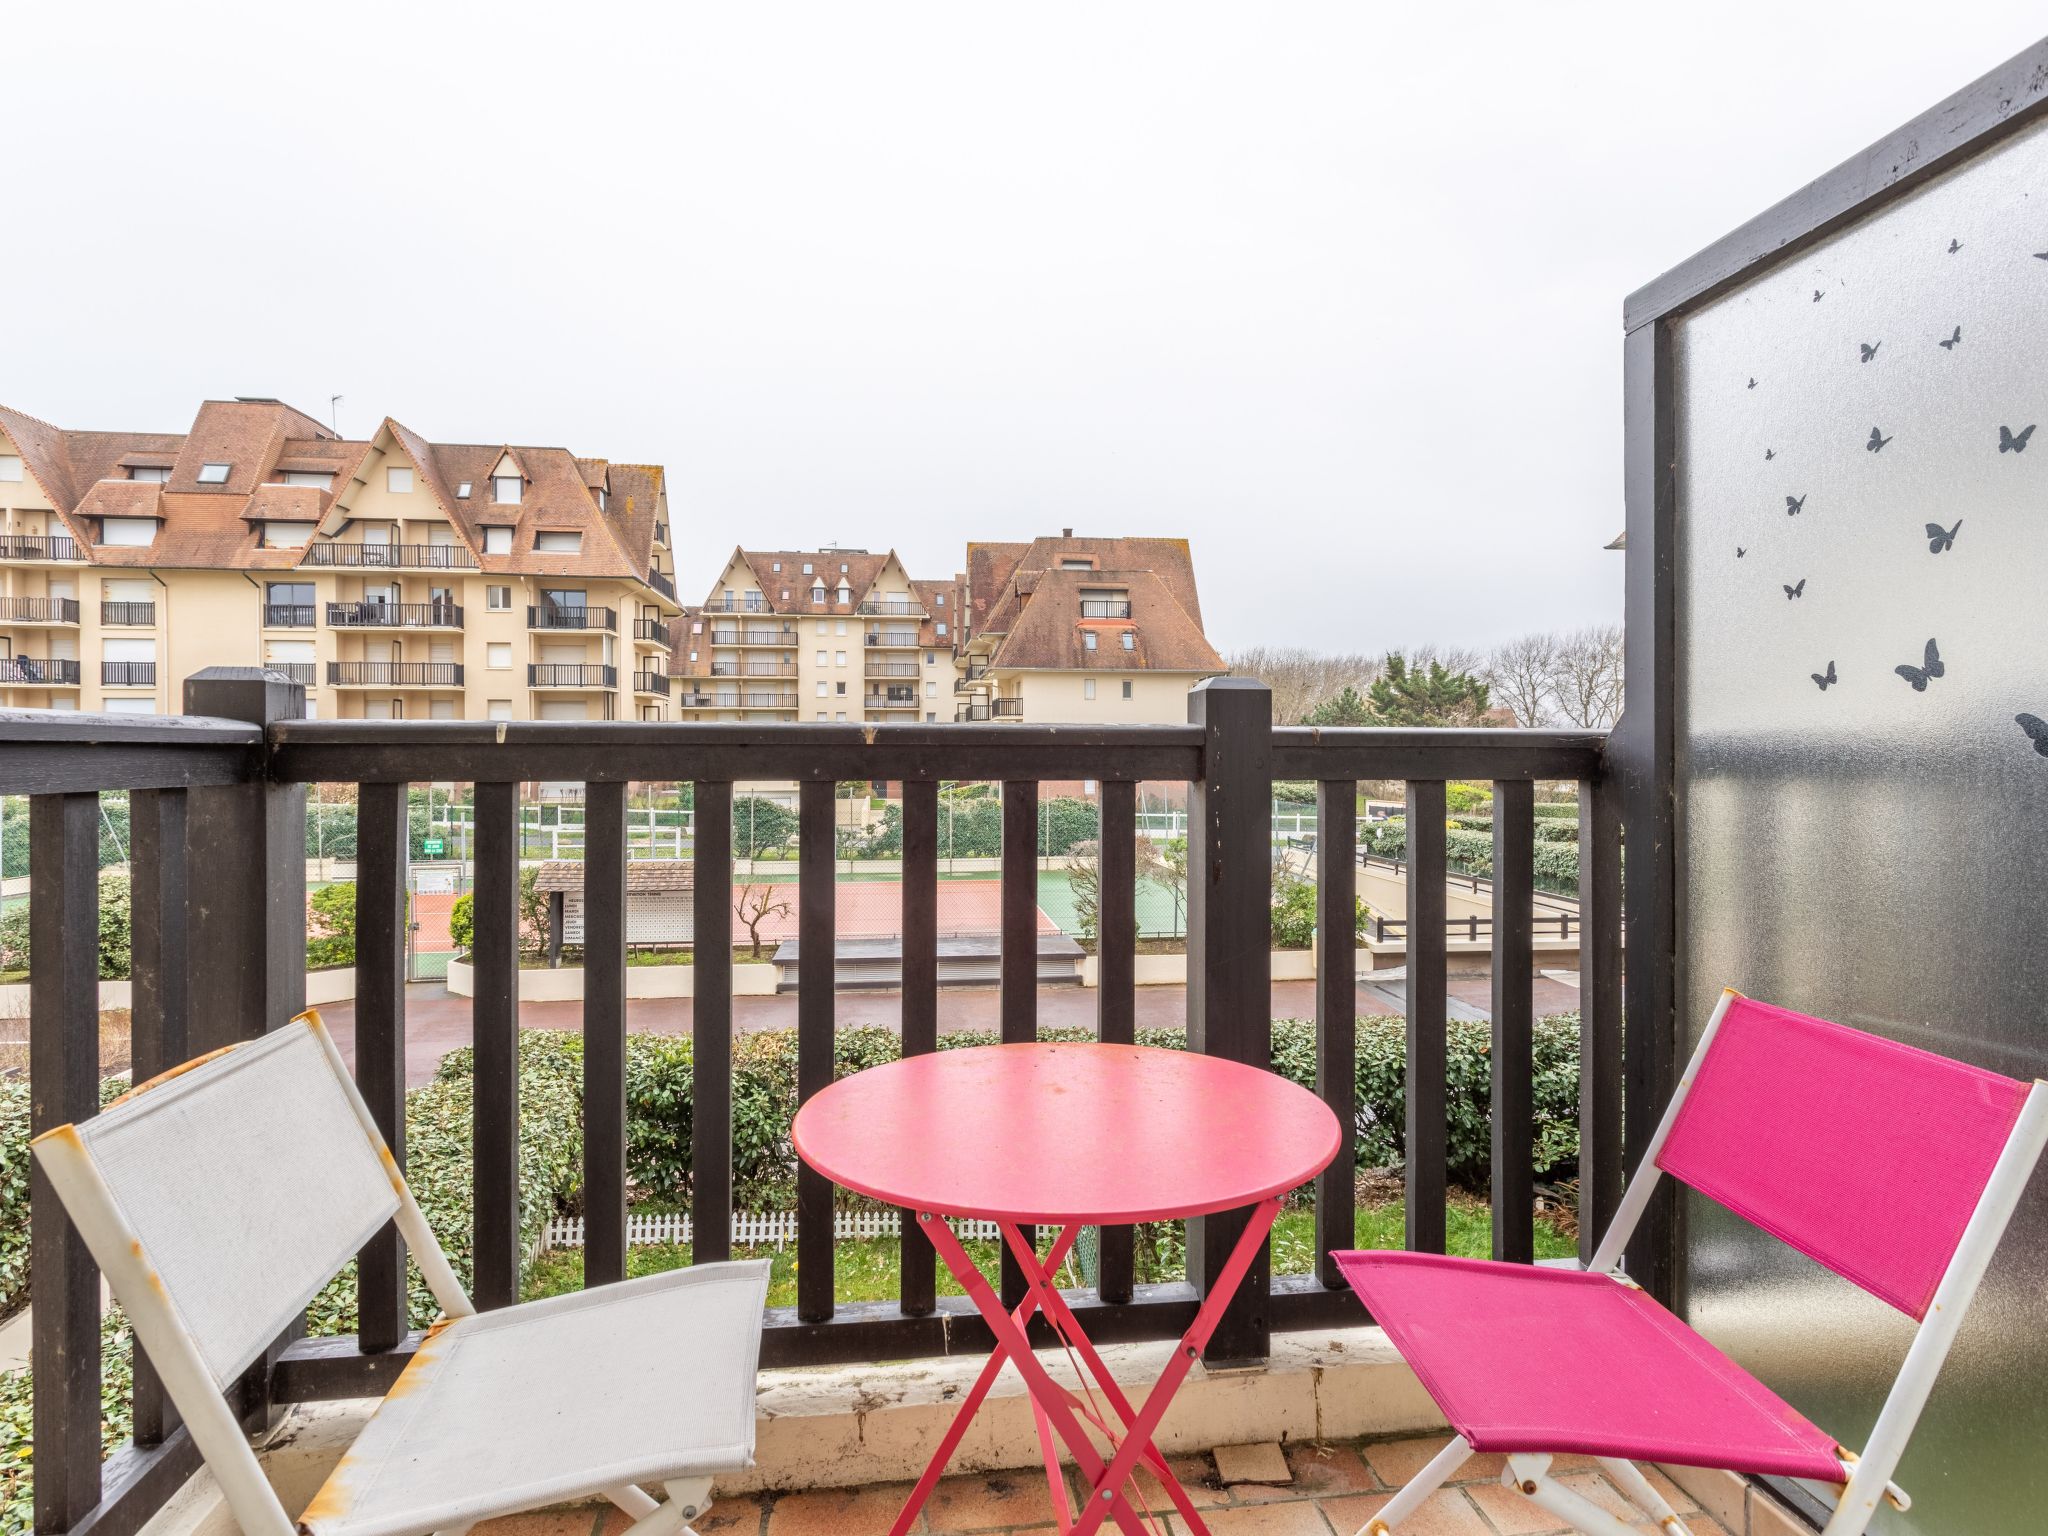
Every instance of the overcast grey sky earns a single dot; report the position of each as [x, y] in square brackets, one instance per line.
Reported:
[1336, 284]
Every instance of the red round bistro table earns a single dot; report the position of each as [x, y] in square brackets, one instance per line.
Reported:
[1070, 1135]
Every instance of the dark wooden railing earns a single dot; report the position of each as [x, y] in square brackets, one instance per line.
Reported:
[226, 794]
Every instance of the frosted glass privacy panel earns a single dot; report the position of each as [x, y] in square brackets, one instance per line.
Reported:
[1862, 485]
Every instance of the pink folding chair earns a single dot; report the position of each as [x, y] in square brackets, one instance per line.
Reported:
[1817, 1133]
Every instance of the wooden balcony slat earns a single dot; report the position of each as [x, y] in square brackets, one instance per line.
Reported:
[381, 918]
[1426, 1128]
[604, 1033]
[816, 1015]
[1337, 1014]
[1514, 1017]
[917, 1287]
[711, 1023]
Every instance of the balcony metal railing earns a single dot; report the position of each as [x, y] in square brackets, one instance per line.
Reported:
[755, 698]
[663, 584]
[414, 557]
[890, 701]
[38, 671]
[39, 610]
[394, 674]
[695, 700]
[753, 637]
[127, 674]
[553, 616]
[140, 615]
[251, 947]
[651, 682]
[750, 669]
[1105, 608]
[37, 546]
[753, 602]
[304, 673]
[971, 713]
[877, 667]
[564, 674]
[288, 615]
[1007, 709]
[891, 606]
[652, 629]
[901, 639]
[375, 615]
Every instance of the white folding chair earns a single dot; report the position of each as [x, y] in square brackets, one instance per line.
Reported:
[1817, 1133]
[219, 1198]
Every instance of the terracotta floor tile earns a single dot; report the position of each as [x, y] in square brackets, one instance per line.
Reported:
[1511, 1513]
[1330, 1469]
[1196, 1474]
[1300, 1518]
[564, 1522]
[839, 1511]
[990, 1501]
[1594, 1486]
[1681, 1501]
[1394, 1462]
[1446, 1513]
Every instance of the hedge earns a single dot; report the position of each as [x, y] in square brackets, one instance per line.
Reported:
[114, 925]
[1471, 853]
[14, 1162]
[17, 1426]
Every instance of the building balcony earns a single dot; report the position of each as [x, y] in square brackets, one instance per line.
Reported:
[752, 602]
[393, 674]
[652, 631]
[561, 674]
[38, 547]
[892, 639]
[772, 637]
[38, 672]
[550, 616]
[750, 669]
[127, 674]
[1007, 709]
[909, 701]
[651, 682]
[880, 667]
[304, 673]
[39, 610]
[662, 583]
[288, 615]
[971, 712]
[693, 699]
[391, 557]
[374, 615]
[131, 615]
[1105, 608]
[757, 698]
[891, 607]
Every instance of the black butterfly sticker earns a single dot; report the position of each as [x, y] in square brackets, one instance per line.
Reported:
[1816, 295]
[2010, 441]
[1940, 538]
[1930, 667]
[2041, 255]
[1794, 508]
[1870, 349]
[1752, 381]
[1824, 679]
[1950, 344]
[1798, 591]
[2036, 729]
[1954, 245]
[1740, 551]
[1877, 441]
[1770, 454]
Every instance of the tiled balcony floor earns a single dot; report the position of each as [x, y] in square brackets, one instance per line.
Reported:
[1336, 1489]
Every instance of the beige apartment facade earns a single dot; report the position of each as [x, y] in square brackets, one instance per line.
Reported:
[395, 577]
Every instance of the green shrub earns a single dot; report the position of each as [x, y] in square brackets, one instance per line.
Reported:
[17, 1427]
[331, 925]
[760, 825]
[114, 922]
[1295, 791]
[462, 922]
[14, 1164]
[533, 916]
[1555, 829]
[1461, 798]
[1565, 810]
[1294, 914]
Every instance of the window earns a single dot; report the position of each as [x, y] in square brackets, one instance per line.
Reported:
[939, 629]
[214, 474]
[10, 467]
[821, 714]
[939, 600]
[818, 592]
[776, 566]
[565, 597]
[291, 594]
[930, 718]
[143, 475]
[505, 489]
[498, 654]
[312, 477]
[498, 709]
[497, 541]
[842, 571]
[839, 626]
[840, 689]
[807, 567]
[927, 658]
[558, 543]
[821, 660]
[1127, 687]
[1130, 639]
[822, 627]
[785, 594]
[839, 658]
[1077, 565]
[1087, 687]
[821, 687]
[397, 710]
[129, 706]
[129, 530]
[462, 493]
[840, 717]
[286, 535]
[931, 689]
[498, 598]
[1087, 639]
[398, 480]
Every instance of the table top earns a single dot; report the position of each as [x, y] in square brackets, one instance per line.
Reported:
[1051, 1133]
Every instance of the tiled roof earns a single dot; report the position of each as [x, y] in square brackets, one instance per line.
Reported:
[1000, 575]
[1048, 631]
[643, 876]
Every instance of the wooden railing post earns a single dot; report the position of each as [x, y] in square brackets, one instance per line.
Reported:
[1230, 954]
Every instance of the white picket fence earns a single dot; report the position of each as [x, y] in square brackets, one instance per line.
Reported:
[750, 1229]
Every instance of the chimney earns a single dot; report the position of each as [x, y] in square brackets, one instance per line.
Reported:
[1066, 533]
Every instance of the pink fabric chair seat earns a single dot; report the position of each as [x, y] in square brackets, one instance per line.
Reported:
[1527, 1359]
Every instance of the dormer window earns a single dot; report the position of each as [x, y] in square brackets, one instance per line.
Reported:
[134, 532]
[462, 491]
[146, 474]
[601, 494]
[214, 474]
[1077, 565]
[843, 570]
[777, 566]
[1087, 639]
[818, 592]
[497, 541]
[1130, 639]
[505, 489]
[306, 477]
[558, 543]
[807, 567]
[398, 479]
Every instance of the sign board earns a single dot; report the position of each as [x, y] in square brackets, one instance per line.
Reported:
[432, 847]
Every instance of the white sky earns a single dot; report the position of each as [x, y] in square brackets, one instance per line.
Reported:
[1337, 282]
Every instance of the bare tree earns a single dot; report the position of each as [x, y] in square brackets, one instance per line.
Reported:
[755, 904]
[1585, 678]
[1302, 679]
[1521, 675]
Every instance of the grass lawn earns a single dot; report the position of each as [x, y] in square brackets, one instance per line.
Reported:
[865, 1268]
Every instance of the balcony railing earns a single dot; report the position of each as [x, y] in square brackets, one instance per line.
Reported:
[753, 637]
[375, 615]
[891, 701]
[695, 700]
[751, 669]
[127, 674]
[288, 615]
[663, 584]
[37, 546]
[652, 629]
[891, 606]
[415, 557]
[1007, 709]
[245, 945]
[877, 667]
[651, 682]
[753, 602]
[901, 639]
[37, 671]
[1105, 608]
[755, 698]
[304, 673]
[38, 610]
[394, 674]
[553, 616]
[142, 615]
[970, 713]
[563, 674]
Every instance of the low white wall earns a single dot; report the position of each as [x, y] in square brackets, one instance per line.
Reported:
[335, 986]
[14, 997]
[566, 984]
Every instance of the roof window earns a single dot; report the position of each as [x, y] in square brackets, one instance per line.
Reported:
[462, 491]
[214, 474]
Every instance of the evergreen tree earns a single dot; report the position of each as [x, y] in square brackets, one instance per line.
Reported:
[1434, 695]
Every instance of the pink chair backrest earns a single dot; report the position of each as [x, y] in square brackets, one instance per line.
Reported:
[1865, 1155]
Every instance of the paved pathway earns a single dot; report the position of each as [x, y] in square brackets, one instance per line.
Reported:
[437, 1023]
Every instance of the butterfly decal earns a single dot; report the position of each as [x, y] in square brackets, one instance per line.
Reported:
[1798, 591]
[2010, 441]
[1752, 381]
[1740, 551]
[2041, 255]
[1930, 667]
[1770, 454]
[1816, 295]
[2036, 729]
[1870, 349]
[1940, 538]
[1954, 245]
[1794, 508]
[1877, 440]
[1950, 344]
[1825, 680]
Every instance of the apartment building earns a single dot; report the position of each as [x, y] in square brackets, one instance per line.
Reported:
[830, 634]
[1104, 630]
[395, 577]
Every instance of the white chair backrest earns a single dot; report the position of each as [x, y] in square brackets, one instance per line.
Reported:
[242, 1184]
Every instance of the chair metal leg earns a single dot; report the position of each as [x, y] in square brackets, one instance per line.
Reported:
[688, 1498]
[1530, 1475]
[1629, 1477]
[1418, 1488]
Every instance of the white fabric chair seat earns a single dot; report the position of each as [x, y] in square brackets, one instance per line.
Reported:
[639, 1382]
